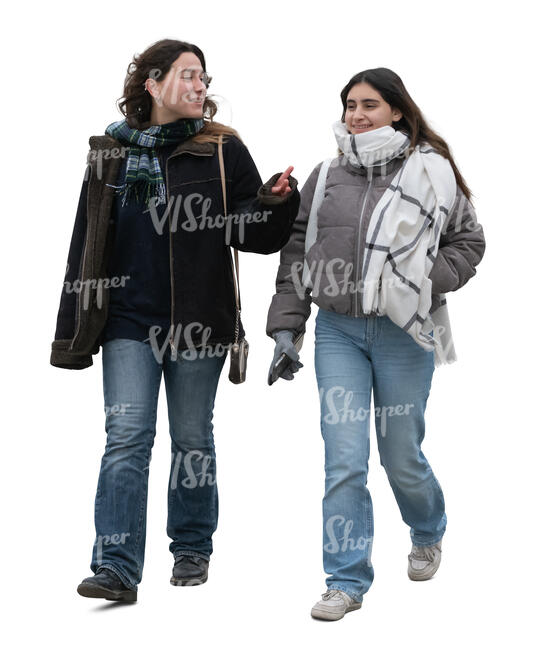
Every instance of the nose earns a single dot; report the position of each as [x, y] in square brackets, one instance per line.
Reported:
[199, 86]
[359, 113]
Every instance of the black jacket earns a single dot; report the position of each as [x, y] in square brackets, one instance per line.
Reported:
[203, 294]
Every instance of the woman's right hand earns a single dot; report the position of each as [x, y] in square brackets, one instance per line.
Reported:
[284, 344]
[282, 186]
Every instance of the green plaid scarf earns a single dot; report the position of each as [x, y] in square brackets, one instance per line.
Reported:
[144, 177]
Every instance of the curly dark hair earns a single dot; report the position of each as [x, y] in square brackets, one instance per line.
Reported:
[154, 63]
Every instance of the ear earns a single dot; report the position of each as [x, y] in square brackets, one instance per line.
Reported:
[150, 86]
[396, 115]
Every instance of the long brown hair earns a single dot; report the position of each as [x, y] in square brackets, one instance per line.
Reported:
[413, 123]
[155, 62]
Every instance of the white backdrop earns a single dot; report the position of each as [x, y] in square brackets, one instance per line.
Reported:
[279, 69]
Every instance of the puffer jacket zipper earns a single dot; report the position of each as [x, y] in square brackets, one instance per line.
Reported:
[358, 243]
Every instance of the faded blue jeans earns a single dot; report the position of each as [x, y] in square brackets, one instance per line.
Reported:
[131, 381]
[354, 357]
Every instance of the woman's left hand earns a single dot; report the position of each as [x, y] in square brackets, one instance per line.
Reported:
[282, 186]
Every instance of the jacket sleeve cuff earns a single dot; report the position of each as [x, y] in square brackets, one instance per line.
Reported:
[61, 357]
[266, 196]
[288, 312]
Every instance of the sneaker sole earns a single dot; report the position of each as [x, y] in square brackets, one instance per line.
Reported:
[93, 591]
[326, 615]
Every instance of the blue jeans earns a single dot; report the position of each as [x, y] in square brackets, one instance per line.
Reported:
[354, 356]
[131, 383]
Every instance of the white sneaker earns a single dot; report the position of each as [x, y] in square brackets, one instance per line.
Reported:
[334, 605]
[424, 561]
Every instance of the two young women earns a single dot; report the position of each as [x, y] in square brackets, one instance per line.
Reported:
[395, 231]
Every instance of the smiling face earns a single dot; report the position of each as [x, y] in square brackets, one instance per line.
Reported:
[181, 93]
[366, 110]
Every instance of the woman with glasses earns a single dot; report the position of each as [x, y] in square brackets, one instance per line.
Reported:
[149, 279]
[384, 231]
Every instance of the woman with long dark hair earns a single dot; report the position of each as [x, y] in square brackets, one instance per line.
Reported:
[384, 231]
[150, 279]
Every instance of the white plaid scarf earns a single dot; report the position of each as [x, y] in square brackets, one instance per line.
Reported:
[403, 235]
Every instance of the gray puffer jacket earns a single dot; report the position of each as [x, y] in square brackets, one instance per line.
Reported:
[343, 220]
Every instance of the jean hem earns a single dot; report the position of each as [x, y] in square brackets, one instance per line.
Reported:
[425, 543]
[192, 553]
[355, 596]
[127, 583]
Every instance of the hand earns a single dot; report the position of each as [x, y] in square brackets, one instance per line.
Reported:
[284, 344]
[282, 186]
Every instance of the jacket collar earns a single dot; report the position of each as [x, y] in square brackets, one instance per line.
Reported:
[384, 170]
[198, 148]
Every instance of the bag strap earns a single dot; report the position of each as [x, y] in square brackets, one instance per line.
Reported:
[312, 224]
[236, 270]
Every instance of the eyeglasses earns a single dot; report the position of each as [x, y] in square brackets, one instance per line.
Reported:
[188, 74]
